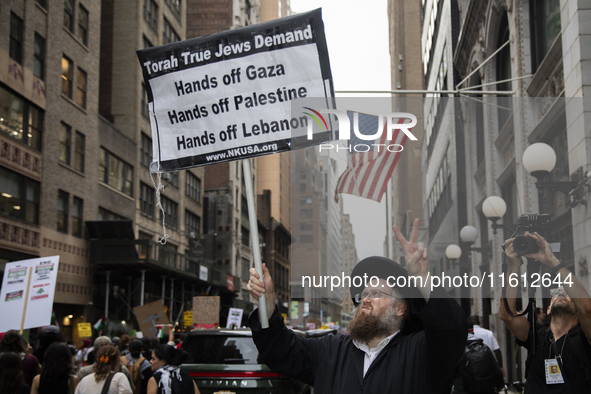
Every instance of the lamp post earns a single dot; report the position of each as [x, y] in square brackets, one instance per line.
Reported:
[454, 252]
[468, 235]
[494, 208]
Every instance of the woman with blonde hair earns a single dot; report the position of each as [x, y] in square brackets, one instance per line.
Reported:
[105, 379]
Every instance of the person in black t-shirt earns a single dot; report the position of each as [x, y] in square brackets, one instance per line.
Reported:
[565, 345]
[168, 377]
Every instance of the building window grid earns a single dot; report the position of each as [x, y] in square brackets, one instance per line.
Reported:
[146, 200]
[170, 212]
[146, 150]
[79, 151]
[169, 35]
[39, 57]
[69, 15]
[67, 76]
[20, 196]
[83, 24]
[16, 38]
[62, 211]
[115, 172]
[245, 269]
[151, 13]
[77, 212]
[65, 143]
[193, 187]
[245, 236]
[144, 102]
[81, 80]
[13, 116]
[192, 223]
[175, 7]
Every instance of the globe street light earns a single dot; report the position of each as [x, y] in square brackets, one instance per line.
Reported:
[539, 159]
[453, 252]
[468, 234]
[494, 208]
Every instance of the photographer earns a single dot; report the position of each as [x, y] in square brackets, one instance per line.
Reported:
[562, 356]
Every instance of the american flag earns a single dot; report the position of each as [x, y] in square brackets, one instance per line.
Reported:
[368, 173]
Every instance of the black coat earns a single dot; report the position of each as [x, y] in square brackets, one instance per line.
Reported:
[416, 363]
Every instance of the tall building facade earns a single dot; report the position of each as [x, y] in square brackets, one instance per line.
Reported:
[349, 260]
[49, 82]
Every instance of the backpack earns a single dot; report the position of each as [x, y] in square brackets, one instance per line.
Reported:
[481, 369]
[136, 376]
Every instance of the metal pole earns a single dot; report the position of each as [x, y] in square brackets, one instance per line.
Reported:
[107, 296]
[171, 300]
[163, 287]
[459, 91]
[254, 236]
[129, 298]
[142, 287]
[388, 225]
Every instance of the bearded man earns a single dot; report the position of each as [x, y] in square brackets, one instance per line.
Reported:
[383, 352]
[561, 362]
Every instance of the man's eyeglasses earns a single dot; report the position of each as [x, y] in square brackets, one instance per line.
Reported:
[557, 291]
[375, 294]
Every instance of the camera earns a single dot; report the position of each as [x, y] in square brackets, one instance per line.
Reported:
[532, 223]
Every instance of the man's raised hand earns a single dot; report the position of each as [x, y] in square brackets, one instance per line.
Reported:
[256, 288]
[415, 254]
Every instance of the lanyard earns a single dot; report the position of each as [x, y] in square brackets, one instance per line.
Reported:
[555, 349]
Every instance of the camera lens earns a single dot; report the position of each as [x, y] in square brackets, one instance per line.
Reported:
[525, 245]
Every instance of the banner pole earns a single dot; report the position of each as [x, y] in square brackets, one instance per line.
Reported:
[388, 225]
[254, 236]
[29, 269]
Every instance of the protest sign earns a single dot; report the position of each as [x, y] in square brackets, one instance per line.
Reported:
[27, 293]
[188, 318]
[150, 316]
[234, 317]
[84, 330]
[227, 96]
[206, 311]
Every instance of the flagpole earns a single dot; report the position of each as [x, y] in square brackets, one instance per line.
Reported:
[30, 270]
[254, 236]
[388, 224]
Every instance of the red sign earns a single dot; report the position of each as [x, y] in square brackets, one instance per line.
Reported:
[230, 282]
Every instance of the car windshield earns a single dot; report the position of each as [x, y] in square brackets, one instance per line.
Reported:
[220, 349]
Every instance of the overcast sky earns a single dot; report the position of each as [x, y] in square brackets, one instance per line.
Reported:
[357, 37]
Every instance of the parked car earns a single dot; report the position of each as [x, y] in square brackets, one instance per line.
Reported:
[227, 361]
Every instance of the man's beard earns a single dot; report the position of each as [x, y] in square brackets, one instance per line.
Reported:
[367, 326]
[563, 309]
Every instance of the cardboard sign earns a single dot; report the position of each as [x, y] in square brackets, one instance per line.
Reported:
[150, 316]
[234, 317]
[28, 288]
[188, 318]
[206, 310]
[84, 330]
[227, 96]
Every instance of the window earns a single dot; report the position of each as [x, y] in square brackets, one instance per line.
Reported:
[42, 3]
[171, 209]
[303, 174]
[146, 150]
[105, 214]
[151, 13]
[175, 7]
[144, 103]
[193, 184]
[81, 88]
[306, 239]
[67, 76]
[168, 34]
[79, 152]
[19, 198]
[146, 200]
[147, 43]
[69, 15]
[16, 38]
[77, 208]
[65, 143]
[545, 27]
[192, 223]
[306, 200]
[503, 73]
[83, 24]
[39, 57]
[173, 178]
[245, 236]
[62, 211]
[14, 112]
[306, 226]
[302, 187]
[115, 172]
[245, 270]
[306, 214]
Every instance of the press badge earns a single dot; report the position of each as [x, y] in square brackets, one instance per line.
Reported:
[553, 374]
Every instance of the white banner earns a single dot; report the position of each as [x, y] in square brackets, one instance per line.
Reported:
[228, 96]
[234, 317]
[41, 276]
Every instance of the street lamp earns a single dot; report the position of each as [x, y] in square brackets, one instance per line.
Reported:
[468, 235]
[539, 160]
[453, 252]
[494, 208]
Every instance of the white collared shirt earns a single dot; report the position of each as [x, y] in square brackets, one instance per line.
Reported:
[371, 354]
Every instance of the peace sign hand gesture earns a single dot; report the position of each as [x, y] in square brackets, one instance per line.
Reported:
[415, 254]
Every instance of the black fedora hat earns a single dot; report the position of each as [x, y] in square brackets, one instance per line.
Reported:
[380, 267]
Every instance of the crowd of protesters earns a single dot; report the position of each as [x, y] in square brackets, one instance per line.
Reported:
[126, 365]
